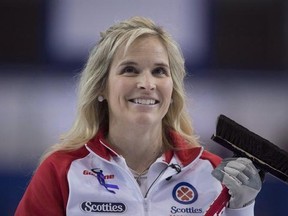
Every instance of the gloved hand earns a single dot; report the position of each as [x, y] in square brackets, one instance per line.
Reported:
[241, 177]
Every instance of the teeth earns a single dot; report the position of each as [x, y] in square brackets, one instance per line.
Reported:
[144, 101]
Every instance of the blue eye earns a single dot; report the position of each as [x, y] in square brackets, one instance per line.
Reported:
[129, 69]
[160, 71]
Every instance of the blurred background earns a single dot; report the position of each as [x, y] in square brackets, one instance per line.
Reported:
[236, 55]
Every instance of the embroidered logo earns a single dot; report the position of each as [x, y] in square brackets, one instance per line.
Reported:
[88, 172]
[103, 207]
[98, 173]
[184, 193]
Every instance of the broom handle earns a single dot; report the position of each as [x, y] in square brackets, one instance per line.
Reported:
[219, 204]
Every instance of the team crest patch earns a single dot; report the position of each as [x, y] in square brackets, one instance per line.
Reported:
[184, 193]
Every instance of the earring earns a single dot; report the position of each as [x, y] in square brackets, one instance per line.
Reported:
[100, 98]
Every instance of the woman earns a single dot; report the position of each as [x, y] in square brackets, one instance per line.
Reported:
[132, 149]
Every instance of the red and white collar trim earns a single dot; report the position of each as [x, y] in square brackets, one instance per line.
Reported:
[183, 151]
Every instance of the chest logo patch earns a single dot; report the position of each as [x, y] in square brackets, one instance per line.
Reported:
[103, 207]
[184, 193]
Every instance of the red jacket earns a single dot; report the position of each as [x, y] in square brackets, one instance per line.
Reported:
[95, 179]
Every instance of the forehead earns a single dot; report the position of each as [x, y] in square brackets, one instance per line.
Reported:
[142, 46]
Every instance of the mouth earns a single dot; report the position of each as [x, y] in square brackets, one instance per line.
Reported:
[144, 101]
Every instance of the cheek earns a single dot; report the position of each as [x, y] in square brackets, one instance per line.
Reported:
[167, 89]
[117, 88]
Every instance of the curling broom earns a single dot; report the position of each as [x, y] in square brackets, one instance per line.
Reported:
[266, 156]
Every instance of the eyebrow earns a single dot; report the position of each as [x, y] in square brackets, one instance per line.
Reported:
[134, 63]
[162, 65]
[127, 63]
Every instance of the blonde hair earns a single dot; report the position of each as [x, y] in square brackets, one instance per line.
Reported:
[91, 114]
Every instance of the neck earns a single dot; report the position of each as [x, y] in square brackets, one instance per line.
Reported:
[139, 147]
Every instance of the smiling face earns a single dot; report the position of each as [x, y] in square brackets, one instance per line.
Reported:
[139, 87]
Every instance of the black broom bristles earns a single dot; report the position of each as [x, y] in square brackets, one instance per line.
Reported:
[243, 143]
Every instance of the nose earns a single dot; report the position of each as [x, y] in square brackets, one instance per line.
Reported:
[146, 81]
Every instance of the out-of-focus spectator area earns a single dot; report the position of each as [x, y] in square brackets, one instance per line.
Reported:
[236, 55]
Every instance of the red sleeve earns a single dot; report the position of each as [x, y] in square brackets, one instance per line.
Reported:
[47, 193]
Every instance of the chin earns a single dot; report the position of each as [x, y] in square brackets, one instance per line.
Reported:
[145, 120]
